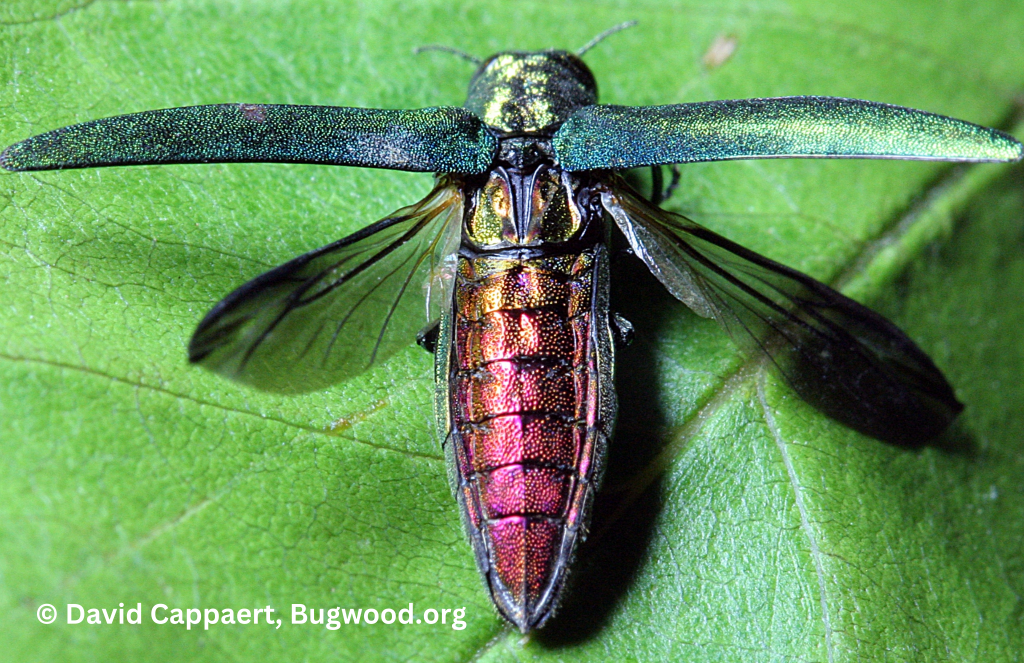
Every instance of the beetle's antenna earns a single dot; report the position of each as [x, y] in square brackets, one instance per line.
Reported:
[448, 49]
[604, 35]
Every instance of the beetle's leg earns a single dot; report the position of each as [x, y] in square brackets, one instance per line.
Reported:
[659, 192]
[621, 254]
[657, 185]
[622, 330]
[674, 184]
[426, 338]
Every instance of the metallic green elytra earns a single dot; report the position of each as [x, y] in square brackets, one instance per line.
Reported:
[427, 139]
[507, 263]
[787, 127]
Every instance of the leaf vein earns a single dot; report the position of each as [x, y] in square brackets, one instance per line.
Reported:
[162, 390]
[805, 521]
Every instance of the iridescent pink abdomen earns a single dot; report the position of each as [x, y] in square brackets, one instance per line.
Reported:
[528, 406]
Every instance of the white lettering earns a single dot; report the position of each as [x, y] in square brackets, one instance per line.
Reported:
[137, 619]
[152, 614]
[81, 613]
[298, 613]
[406, 611]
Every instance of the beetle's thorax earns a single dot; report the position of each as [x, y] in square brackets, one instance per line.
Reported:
[530, 93]
[536, 207]
[520, 209]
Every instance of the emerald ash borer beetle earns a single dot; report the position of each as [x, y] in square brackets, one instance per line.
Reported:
[507, 262]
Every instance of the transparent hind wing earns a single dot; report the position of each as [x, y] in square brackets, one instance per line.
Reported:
[331, 313]
[840, 356]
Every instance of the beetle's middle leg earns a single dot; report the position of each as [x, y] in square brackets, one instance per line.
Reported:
[659, 192]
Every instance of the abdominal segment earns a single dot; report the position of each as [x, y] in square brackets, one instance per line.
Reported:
[529, 410]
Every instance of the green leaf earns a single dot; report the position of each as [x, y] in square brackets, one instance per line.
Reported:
[736, 522]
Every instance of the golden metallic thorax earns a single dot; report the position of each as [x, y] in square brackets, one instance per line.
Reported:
[531, 116]
[530, 93]
[548, 214]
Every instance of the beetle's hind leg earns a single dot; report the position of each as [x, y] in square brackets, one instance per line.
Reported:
[659, 192]
[426, 338]
[623, 332]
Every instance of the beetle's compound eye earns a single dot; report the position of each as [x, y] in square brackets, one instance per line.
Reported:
[491, 221]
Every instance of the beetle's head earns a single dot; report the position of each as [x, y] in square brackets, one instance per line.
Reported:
[529, 93]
